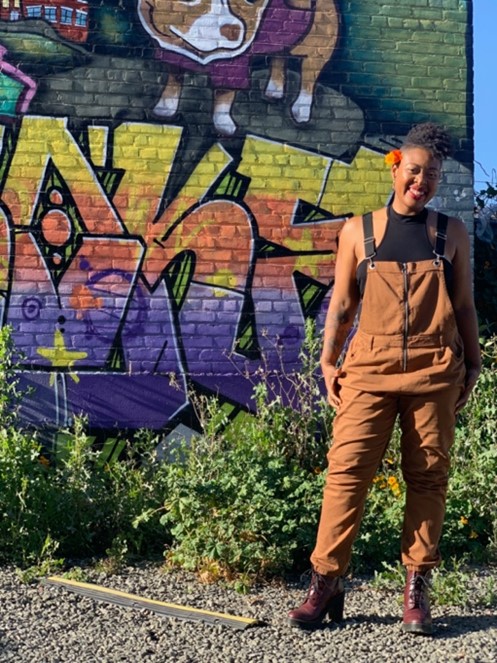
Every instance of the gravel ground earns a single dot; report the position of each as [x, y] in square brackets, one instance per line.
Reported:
[48, 624]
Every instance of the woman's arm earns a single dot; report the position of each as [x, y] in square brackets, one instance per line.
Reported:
[342, 308]
[464, 308]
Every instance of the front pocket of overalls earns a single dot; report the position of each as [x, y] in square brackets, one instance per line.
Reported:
[370, 356]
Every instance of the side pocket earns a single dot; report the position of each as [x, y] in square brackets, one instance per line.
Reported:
[457, 347]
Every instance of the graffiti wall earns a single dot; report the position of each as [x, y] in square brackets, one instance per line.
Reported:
[174, 176]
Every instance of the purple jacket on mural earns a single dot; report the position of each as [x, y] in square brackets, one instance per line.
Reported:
[281, 28]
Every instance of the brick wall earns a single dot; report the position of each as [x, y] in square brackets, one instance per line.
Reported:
[173, 183]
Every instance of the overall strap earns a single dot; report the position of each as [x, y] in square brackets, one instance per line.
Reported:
[369, 244]
[440, 235]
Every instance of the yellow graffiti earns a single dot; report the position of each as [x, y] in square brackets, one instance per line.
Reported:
[225, 279]
[281, 180]
[146, 153]
[60, 356]
[281, 171]
[361, 186]
[39, 140]
[98, 144]
[163, 231]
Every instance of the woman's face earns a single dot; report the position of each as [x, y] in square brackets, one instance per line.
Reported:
[415, 180]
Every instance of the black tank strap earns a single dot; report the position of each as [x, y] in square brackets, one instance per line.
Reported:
[369, 244]
[441, 234]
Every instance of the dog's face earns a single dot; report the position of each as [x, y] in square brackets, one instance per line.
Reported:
[203, 30]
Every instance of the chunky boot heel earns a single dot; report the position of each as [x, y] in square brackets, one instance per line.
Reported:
[335, 607]
[325, 596]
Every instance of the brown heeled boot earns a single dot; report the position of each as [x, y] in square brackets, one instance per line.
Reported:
[417, 616]
[326, 595]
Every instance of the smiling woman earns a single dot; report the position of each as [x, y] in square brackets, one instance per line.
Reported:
[415, 356]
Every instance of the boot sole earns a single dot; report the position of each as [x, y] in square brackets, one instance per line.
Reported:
[312, 625]
[334, 611]
[306, 626]
[419, 629]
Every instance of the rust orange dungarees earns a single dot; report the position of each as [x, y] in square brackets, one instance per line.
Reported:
[406, 360]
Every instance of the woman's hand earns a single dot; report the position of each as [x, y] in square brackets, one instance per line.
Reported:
[469, 383]
[331, 375]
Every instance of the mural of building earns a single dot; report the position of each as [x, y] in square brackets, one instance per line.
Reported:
[174, 177]
[68, 17]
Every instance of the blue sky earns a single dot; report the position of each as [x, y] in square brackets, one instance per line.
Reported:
[485, 82]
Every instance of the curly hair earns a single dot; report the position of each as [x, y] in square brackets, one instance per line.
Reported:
[431, 137]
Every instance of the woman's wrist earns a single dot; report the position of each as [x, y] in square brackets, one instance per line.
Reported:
[331, 371]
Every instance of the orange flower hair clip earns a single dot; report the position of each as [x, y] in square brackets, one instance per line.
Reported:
[393, 157]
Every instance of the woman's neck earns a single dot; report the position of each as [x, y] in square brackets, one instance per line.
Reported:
[413, 214]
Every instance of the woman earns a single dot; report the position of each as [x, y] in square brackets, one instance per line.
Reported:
[415, 356]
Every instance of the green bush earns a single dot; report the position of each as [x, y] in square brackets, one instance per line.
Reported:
[244, 497]
[71, 504]
[471, 521]
[236, 504]
[75, 506]
[485, 261]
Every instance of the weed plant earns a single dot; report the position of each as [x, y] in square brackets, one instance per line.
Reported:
[243, 498]
[72, 505]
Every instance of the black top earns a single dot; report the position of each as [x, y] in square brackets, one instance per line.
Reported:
[405, 240]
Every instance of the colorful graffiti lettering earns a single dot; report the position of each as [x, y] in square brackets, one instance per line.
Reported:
[128, 292]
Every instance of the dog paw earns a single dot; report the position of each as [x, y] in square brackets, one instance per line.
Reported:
[166, 107]
[301, 108]
[224, 123]
[274, 90]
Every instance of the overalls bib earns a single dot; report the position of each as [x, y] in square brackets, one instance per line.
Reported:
[406, 360]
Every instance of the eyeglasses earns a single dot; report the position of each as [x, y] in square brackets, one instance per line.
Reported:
[431, 174]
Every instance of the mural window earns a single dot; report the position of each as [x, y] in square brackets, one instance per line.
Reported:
[81, 18]
[51, 14]
[15, 15]
[14, 6]
[34, 11]
[66, 15]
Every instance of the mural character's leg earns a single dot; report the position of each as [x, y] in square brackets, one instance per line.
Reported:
[324, 30]
[167, 106]
[223, 101]
[275, 87]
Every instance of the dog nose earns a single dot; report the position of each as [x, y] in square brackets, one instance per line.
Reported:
[230, 32]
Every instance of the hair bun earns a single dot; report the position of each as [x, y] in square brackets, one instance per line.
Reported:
[431, 137]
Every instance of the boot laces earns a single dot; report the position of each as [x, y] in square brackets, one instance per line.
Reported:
[418, 590]
[317, 583]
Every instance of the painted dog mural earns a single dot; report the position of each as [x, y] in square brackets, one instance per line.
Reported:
[220, 38]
